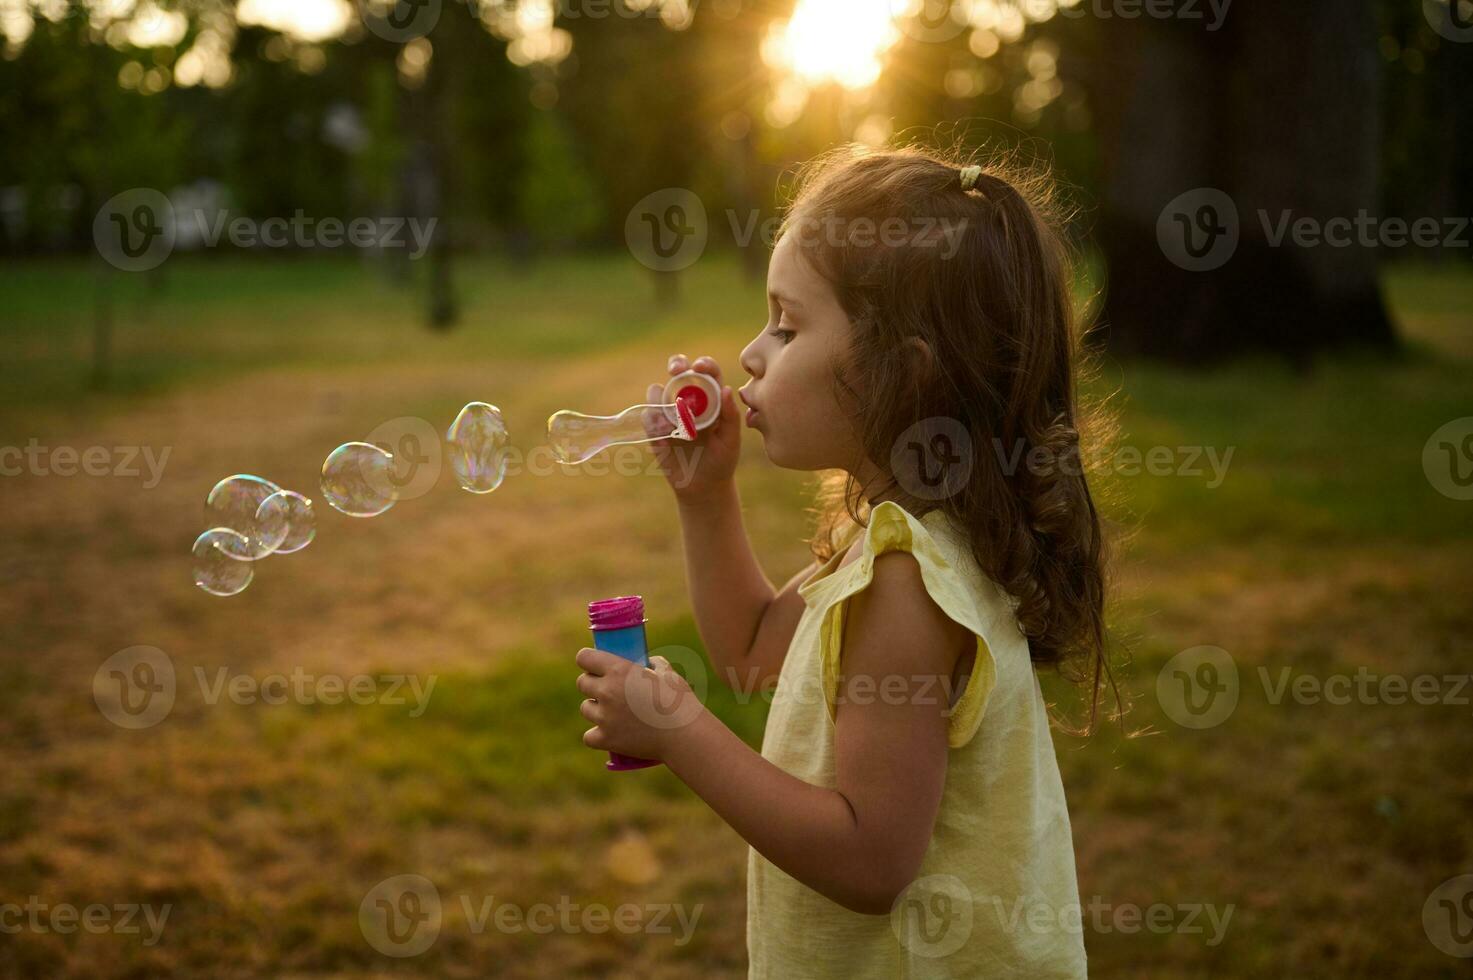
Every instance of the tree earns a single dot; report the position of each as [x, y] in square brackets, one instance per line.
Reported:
[1276, 115]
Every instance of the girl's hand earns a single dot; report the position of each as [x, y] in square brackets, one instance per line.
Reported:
[635, 710]
[707, 465]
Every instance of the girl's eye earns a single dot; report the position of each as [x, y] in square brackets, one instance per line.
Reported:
[783, 335]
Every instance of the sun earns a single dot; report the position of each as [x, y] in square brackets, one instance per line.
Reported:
[839, 41]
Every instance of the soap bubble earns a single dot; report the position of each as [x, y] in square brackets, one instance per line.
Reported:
[233, 504]
[476, 445]
[286, 520]
[357, 480]
[215, 570]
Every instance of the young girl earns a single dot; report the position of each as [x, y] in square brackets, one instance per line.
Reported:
[906, 816]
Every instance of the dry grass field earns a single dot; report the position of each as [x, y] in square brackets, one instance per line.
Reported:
[1324, 549]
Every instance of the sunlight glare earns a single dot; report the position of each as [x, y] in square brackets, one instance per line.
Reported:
[841, 41]
[306, 20]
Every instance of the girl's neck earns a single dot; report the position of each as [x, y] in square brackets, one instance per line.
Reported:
[876, 485]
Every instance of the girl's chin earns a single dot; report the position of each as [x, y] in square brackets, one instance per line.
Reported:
[783, 457]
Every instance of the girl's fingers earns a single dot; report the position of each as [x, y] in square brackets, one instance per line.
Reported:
[678, 364]
[708, 365]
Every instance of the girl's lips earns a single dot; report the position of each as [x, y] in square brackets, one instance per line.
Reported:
[751, 418]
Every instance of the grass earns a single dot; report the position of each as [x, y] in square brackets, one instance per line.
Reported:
[1323, 551]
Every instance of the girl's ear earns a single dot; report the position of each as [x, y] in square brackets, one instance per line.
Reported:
[921, 358]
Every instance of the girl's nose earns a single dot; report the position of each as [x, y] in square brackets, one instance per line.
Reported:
[749, 360]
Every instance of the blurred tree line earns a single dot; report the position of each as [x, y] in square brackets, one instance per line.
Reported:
[532, 125]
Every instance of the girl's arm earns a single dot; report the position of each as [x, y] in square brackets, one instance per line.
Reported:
[745, 625]
[861, 843]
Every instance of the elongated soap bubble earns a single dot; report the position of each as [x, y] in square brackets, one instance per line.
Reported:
[577, 438]
[233, 504]
[476, 446]
[215, 570]
[287, 521]
[357, 479]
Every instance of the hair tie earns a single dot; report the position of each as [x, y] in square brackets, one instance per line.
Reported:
[970, 176]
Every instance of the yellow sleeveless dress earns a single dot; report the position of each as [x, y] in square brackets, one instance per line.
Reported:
[996, 895]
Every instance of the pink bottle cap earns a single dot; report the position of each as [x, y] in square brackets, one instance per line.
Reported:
[616, 614]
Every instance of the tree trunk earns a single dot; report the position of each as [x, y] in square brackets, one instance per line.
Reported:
[1243, 131]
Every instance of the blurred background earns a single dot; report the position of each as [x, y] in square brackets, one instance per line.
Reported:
[234, 235]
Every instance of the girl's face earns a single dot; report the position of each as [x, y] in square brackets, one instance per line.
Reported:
[792, 367]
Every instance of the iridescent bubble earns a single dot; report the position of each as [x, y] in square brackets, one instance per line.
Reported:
[233, 504]
[215, 570]
[476, 444]
[286, 520]
[357, 479]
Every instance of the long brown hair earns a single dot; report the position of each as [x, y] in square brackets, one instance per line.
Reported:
[994, 305]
